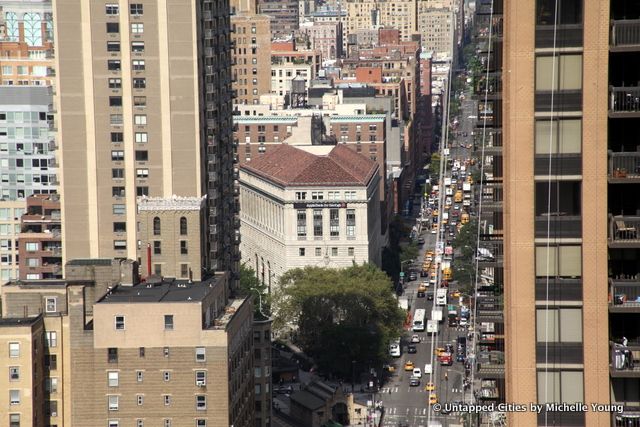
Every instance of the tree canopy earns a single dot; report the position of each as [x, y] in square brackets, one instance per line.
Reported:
[341, 315]
[251, 285]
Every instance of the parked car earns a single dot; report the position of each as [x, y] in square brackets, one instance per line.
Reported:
[283, 389]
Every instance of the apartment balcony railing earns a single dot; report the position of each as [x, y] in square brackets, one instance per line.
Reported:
[624, 166]
[624, 231]
[630, 415]
[494, 86]
[624, 100]
[624, 361]
[625, 33]
[624, 295]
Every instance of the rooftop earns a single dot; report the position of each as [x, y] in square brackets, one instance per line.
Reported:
[20, 321]
[307, 400]
[47, 283]
[290, 166]
[90, 261]
[160, 290]
[358, 118]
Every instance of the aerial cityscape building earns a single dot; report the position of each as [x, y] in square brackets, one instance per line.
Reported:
[163, 164]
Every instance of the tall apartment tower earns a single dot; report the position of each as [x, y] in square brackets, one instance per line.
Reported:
[251, 56]
[571, 180]
[144, 95]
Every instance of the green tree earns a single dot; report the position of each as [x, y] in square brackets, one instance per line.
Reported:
[250, 285]
[434, 168]
[467, 240]
[409, 252]
[341, 315]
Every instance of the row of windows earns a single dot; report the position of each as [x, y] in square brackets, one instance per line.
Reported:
[157, 226]
[140, 155]
[112, 356]
[140, 423]
[118, 173]
[157, 247]
[113, 379]
[119, 192]
[331, 195]
[114, 9]
[334, 223]
[201, 402]
[334, 252]
[114, 46]
[114, 28]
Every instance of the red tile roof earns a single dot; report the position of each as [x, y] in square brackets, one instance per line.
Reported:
[287, 165]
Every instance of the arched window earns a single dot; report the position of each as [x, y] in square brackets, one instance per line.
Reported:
[33, 29]
[183, 226]
[13, 33]
[156, 226]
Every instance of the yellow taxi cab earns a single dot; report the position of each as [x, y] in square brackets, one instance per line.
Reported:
[464, 219]
[430, 386]
[422, 287]
[429, 254]
[408, 366]
[455, 294]
[447, 274]
[435, 212]
[438, 351]
[433, 398]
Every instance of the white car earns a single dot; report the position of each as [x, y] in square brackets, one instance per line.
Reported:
[428, 369]
[415, 339]
[462, 321]
[417, 373]
[394, 350]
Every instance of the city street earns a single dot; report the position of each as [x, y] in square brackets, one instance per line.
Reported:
[404, 404]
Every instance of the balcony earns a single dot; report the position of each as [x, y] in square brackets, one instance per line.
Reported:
[624, 362]
[624, 101]
[630, 415]
[624, 167]
[624, 231]
[493, 88]
[625, 295]
[625, 35]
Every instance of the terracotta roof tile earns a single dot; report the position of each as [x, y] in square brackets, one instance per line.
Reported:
[288, 165]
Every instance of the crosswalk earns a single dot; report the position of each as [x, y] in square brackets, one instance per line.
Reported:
[415, 412]
[390, 390]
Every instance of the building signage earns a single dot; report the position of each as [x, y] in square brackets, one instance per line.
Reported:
[315, 204]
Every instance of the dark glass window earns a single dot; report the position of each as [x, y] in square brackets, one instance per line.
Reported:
[569, 12]
[142, 155]
[113, 27]
[565, 198]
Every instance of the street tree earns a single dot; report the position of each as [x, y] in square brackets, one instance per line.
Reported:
[341, 316]
[467, 240]
[434, 169]
[250, 285]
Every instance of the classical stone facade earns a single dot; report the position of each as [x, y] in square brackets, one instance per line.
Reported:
[301, 209]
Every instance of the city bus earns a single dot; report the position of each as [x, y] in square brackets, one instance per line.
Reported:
[418, 320]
